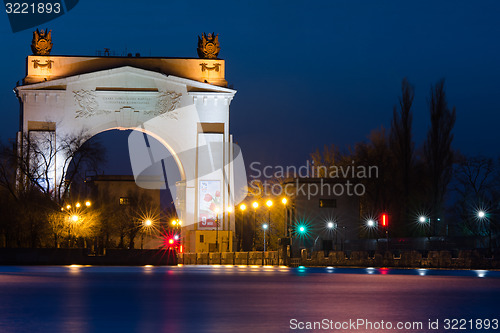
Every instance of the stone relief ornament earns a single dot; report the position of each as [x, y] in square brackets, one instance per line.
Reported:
[87, 101]
[166, 104]
[89, 104]
[205, 67]
[36, 64]
[42, 42]
[208, 46]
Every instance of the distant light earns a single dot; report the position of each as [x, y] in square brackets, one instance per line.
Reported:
[176, 237]
[330, 225]
[243, 207]
[88, 203]
[217, 210]
[74, 218]
[77, 205]
[148, 222]
[229, 209]
[370, 223]
[170, 241]
[269, 203]
[68, 206]
[481, 214]
[174, 222]
[302, 229]
[265, 226]
[422, 219]
[284, 201]
[255, 204]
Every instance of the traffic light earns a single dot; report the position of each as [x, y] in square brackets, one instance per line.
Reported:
[385, 220]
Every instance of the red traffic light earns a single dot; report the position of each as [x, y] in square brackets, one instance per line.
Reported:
[385, 220]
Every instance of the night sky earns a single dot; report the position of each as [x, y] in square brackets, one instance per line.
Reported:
[307, 74]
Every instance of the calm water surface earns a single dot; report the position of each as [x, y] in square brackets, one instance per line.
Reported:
[238, 299]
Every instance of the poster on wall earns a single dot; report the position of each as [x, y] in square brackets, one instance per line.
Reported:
[209, 200]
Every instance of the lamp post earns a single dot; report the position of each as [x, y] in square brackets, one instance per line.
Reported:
[255, 205]
[332, 226]
[264, 228]
[75, 215]
[285, 231]
[72, 219]
[425, 220]
[145, 225]
[229, 210]
[242, 209]
[217, 229]
[481, 215]
[269, 204]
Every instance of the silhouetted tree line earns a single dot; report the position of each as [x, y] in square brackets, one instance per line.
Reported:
[431, 180]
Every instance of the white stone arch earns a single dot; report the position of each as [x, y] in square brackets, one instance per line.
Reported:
[87, 94]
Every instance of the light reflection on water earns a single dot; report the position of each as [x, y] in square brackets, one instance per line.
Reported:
[228, 298]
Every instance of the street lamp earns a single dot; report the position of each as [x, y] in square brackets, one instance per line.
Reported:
[146, 224]
[255, 205]
[425, 220]
[269, 204]
[243, 207]
[332, 226]
[264, 228]
[176, 223]
[229, 211]
[370, 223]
[217, 229]
[481, 215]
[284, 202]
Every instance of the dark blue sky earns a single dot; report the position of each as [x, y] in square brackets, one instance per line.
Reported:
[307, 74]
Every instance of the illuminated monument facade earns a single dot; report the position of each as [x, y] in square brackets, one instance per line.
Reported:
[181, 102]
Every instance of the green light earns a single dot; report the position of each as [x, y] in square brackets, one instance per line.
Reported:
[302, 229]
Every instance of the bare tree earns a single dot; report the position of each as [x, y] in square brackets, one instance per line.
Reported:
[476, 188]
[437, 148]
[28, 179]
[36, 161]
[402, 147]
